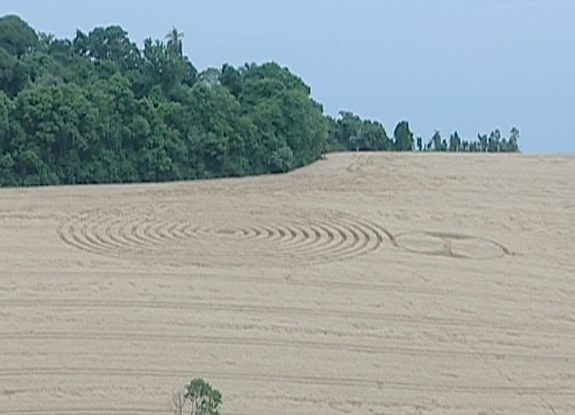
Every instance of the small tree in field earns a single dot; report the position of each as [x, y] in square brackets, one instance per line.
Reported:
[203, 398]
[178, 402]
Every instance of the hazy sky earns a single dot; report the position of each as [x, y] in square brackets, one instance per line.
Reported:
[470, 65]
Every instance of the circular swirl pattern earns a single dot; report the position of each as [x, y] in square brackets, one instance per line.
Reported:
[184, 235]
[450, 245]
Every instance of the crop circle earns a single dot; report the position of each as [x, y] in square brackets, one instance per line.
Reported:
[213, 235]
[450, 245]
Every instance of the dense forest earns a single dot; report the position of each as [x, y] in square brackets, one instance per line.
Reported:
[98, 109]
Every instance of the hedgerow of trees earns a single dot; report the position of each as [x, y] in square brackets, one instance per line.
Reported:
[98, 109]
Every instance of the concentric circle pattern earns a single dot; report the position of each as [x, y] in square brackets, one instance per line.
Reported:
[450, 245]
[190, 235]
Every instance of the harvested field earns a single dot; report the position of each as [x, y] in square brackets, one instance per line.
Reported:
[364, 284]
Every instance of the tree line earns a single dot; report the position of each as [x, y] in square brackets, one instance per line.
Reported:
[350, 133]
[99, 109]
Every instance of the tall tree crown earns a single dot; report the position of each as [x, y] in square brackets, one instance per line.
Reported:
[174, 41]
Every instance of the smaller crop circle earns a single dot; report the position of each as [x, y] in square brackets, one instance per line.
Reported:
[451, 245]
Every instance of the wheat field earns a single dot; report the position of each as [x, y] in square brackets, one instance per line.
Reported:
[363, 284]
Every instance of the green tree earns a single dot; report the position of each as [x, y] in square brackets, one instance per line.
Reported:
[7, 63]
[116, 107]
[174, 42]
[59, 123]
[266, 81]
[162, 67]
[231, 78]
[436, 141]
[281, 160]
[349, 130]
[374, 136]
[494, 144]
[303, 126]
[514, 140]
[483, 143]
[58, 61]
[16, 36]
[204, 399]
[5, 121]
[17, 40]
[403, 137]
[110, 43]
[454, 142]
[355, 134]
[7, 177]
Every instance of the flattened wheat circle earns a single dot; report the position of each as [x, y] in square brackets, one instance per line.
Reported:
[196, 235]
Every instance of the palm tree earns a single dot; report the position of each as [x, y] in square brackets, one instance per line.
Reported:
[174, 41]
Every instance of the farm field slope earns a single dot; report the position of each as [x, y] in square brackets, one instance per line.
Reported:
[364, 284]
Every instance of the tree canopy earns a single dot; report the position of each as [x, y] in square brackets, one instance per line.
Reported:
[16, 36]
[204, 400]
[98, 109]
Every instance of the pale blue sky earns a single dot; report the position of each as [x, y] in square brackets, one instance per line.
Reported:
[470, 65]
